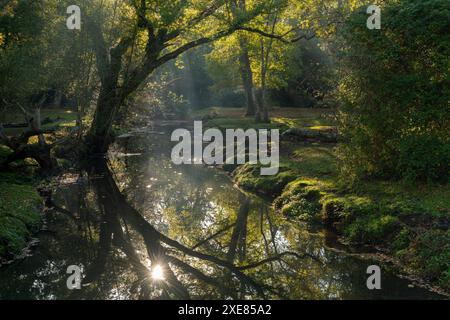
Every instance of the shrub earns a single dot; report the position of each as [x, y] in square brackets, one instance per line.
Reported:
[395, 92]
[433, 249]
[424, 157]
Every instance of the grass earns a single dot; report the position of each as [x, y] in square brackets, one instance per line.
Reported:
[67, 118]
[63, 118]
[409, 221]
[281, 118]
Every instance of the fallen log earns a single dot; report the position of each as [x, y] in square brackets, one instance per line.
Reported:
[298, 134]
[26, 125]
[40, 151]
[15, 125]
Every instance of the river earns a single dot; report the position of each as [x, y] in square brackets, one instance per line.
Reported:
[143, 228]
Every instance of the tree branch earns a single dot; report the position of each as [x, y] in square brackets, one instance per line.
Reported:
[278, 257]
[207, 12]
[276, 36]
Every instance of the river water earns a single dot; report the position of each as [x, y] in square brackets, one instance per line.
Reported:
[143, 228]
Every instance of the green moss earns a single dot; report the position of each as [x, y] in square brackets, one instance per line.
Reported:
[300, 208]
[19, 214]
[4, 152]
[333, 210]
[371, 229]
[249, 177]
[408, 221]
[312, 161]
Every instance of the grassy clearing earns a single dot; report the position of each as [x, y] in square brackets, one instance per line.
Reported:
[410, 221]
[63, 118]
[281, 118]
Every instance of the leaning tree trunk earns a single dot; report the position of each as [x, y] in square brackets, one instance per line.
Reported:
[100, 136]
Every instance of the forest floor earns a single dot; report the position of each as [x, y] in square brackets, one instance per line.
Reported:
[407, 223]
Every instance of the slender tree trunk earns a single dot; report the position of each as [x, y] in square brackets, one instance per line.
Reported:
[244, 62]
[247, 76]
[265, 109]
[265, 57]
[258, 104]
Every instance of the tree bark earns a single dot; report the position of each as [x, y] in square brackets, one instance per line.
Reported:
[259, 105]
[247, 77]
[99, 136]
[244, 61]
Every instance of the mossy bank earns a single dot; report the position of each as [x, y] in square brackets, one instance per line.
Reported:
[20, 215]
[408, 223]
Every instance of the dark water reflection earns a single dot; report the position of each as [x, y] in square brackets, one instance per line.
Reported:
[209, 240]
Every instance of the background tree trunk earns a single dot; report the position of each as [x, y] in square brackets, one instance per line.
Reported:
[247, 76]
[240, 7]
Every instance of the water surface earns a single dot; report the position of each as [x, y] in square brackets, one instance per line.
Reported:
[137, 212]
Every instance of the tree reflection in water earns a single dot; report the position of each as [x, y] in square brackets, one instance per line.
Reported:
[144, 229]
[165, 252]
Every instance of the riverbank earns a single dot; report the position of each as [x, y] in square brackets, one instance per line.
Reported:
[20, 214]
[20, 203]
[408, 224]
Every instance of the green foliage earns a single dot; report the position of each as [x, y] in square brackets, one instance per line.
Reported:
[402, 239]
[20, 30]
[308, 72]
[433, 255]
[229, 98]
[424, 157]
[395, 90]
[40, 59]
[333, 209]
[155, 101]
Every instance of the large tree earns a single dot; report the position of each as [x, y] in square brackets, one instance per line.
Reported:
[142, 36]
